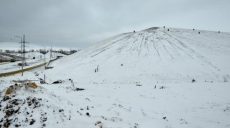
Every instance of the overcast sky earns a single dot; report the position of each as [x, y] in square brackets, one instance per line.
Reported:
[81, 23]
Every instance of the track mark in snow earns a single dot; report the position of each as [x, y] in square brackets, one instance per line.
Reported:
[104, 48]
[154, 47]
[193, 52]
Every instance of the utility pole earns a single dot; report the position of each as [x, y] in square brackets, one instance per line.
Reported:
[23, 51]
[1, 58]
[51, 53]
[44, 58]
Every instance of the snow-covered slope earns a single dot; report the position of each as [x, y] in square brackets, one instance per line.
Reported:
[32, 107]
[154, 54]
[132, 80]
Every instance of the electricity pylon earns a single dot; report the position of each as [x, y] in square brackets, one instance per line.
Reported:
[23, 51]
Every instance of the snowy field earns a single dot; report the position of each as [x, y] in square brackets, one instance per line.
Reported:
[39, 58]
[152, 78]
[184, 105]
[13, 66]
[30, 46]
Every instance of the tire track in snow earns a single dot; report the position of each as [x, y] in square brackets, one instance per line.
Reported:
[141, 43]
[177, 48]
[154, 47]
[110, 45]
[201, 57]
[165, 48]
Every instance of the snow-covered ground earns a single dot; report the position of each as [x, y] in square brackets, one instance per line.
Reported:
[13, 66]
[31, 46]
[152, 78]
[116, 105]
[32, 59]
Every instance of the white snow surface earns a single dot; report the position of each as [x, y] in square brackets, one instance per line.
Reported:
[154, 54]
[39, 59]
[31, 46]
[187, 105]
[142, 80]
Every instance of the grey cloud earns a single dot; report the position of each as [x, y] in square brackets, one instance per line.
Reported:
[81, 23]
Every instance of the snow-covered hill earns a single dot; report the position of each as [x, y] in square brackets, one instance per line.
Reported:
[151, 78]
[154, 54]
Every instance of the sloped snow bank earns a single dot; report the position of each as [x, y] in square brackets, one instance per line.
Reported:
[24, 106]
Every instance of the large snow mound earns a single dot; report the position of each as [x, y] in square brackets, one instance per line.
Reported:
[154, 54]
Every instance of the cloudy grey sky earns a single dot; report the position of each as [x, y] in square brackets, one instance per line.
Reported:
[81, 23]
